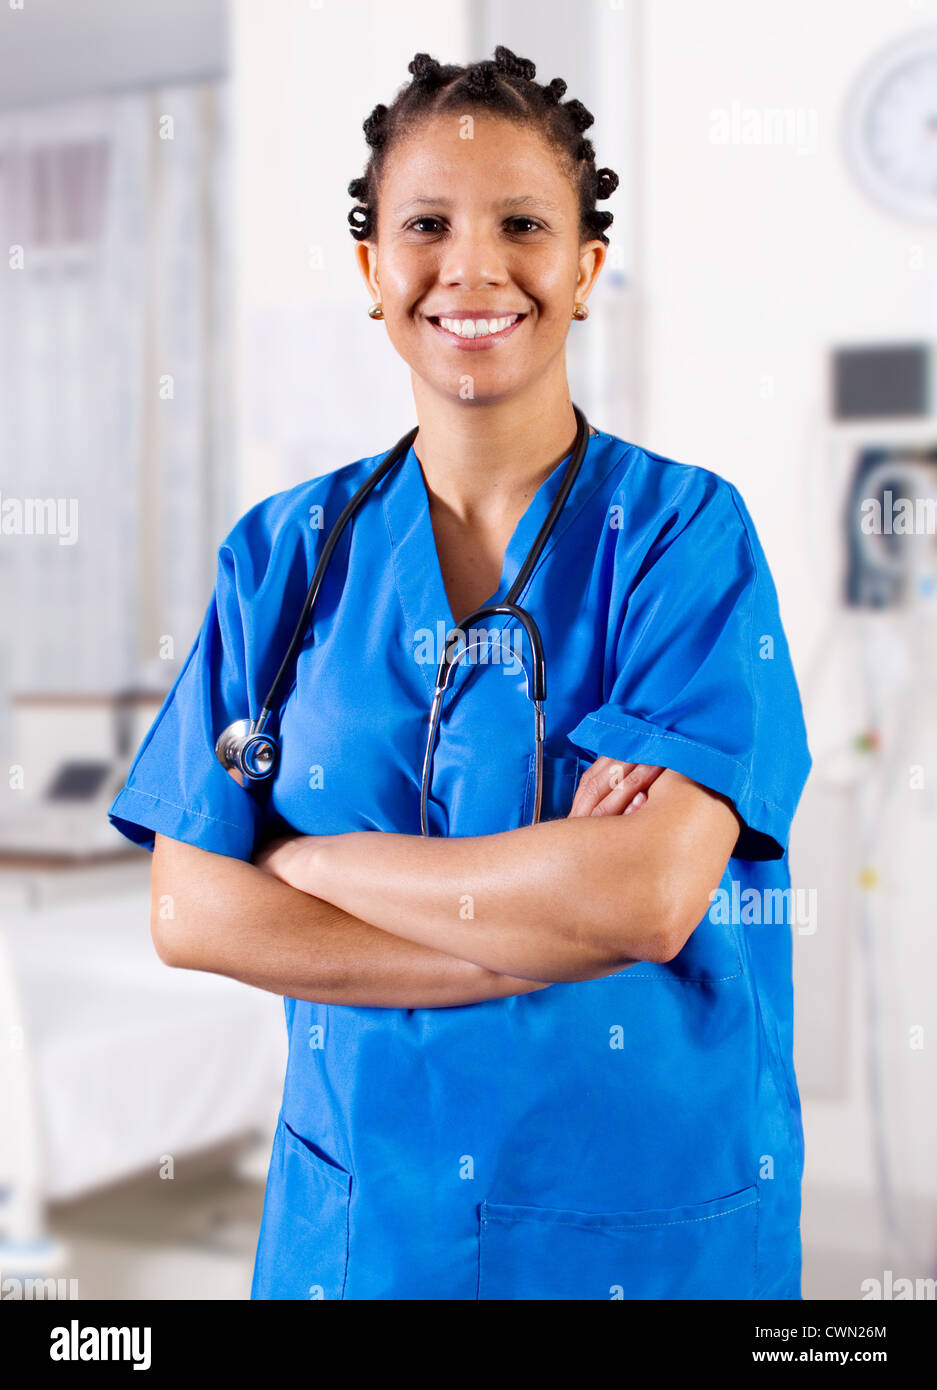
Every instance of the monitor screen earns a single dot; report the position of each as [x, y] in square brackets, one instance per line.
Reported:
[877, 382]
[78, 781]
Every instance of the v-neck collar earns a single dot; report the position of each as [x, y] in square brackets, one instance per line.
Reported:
[417, 571]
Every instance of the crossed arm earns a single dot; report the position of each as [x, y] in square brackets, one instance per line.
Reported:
[388, 920]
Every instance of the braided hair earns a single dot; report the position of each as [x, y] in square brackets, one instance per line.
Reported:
[505, 85]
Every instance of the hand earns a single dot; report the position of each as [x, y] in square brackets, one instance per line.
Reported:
[610, 788]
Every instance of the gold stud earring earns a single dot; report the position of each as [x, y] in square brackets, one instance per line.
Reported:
[376, 310]
[580, 311]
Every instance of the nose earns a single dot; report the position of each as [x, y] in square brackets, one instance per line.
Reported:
[472, 259]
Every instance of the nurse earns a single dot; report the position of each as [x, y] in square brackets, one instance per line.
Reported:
[527, 1061]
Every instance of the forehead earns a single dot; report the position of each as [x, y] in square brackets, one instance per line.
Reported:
[452, 152]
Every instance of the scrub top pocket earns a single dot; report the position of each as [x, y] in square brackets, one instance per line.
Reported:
[560, 780]
[302, 1251]
[704, 1251]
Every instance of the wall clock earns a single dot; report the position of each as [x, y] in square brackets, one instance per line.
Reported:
[891, 128]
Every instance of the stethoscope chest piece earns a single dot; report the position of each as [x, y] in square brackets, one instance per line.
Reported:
[240, 748]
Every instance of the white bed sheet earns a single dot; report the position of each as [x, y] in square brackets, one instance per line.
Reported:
[132, 1060]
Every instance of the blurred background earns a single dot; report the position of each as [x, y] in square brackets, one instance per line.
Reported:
[183, 331]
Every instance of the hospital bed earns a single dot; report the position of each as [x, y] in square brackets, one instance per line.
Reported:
[110, 1062]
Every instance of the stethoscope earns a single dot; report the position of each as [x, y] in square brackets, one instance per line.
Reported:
[247, 748]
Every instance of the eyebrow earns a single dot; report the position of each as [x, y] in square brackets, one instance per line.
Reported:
[522, 200]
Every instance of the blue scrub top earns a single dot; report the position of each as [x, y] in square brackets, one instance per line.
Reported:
[637, 1136]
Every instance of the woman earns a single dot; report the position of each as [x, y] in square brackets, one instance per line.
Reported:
[526, 1061]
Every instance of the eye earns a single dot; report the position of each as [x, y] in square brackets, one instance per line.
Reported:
[417, 222]
[532, 225]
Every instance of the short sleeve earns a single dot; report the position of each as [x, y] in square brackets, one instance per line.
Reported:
[698, 673]
[175, 784]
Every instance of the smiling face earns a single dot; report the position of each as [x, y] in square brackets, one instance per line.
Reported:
[477, 259]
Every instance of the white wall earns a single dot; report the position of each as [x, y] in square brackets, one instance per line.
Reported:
[305, 78]
[756, 260]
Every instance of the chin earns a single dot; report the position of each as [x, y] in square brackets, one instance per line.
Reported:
[484, 395]
[487, 386]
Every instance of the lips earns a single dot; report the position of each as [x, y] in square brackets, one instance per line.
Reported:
[474, 331]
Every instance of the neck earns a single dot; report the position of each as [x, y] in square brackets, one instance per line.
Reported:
[482, 461]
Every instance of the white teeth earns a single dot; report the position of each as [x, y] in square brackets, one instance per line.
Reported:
[476, 328]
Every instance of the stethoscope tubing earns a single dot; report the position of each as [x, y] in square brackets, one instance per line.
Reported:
[245, 746]
[399, 451]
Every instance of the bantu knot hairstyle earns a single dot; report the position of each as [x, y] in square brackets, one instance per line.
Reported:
[505, 85]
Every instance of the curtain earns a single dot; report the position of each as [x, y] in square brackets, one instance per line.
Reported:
[115, 385]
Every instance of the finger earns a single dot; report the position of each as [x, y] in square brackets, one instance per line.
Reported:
[639, 779]
[617, 800]
[601, 780]
[613, 806]
[596, 782]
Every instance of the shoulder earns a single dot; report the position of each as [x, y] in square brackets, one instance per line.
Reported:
[655, 479]
[297, 511]
[270, 552]
[662, 497]
[275, 544]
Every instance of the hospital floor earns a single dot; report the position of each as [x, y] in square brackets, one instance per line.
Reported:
[193, 1237]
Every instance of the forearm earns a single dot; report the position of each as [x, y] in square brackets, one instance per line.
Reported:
[570, 899]
[231, 918]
